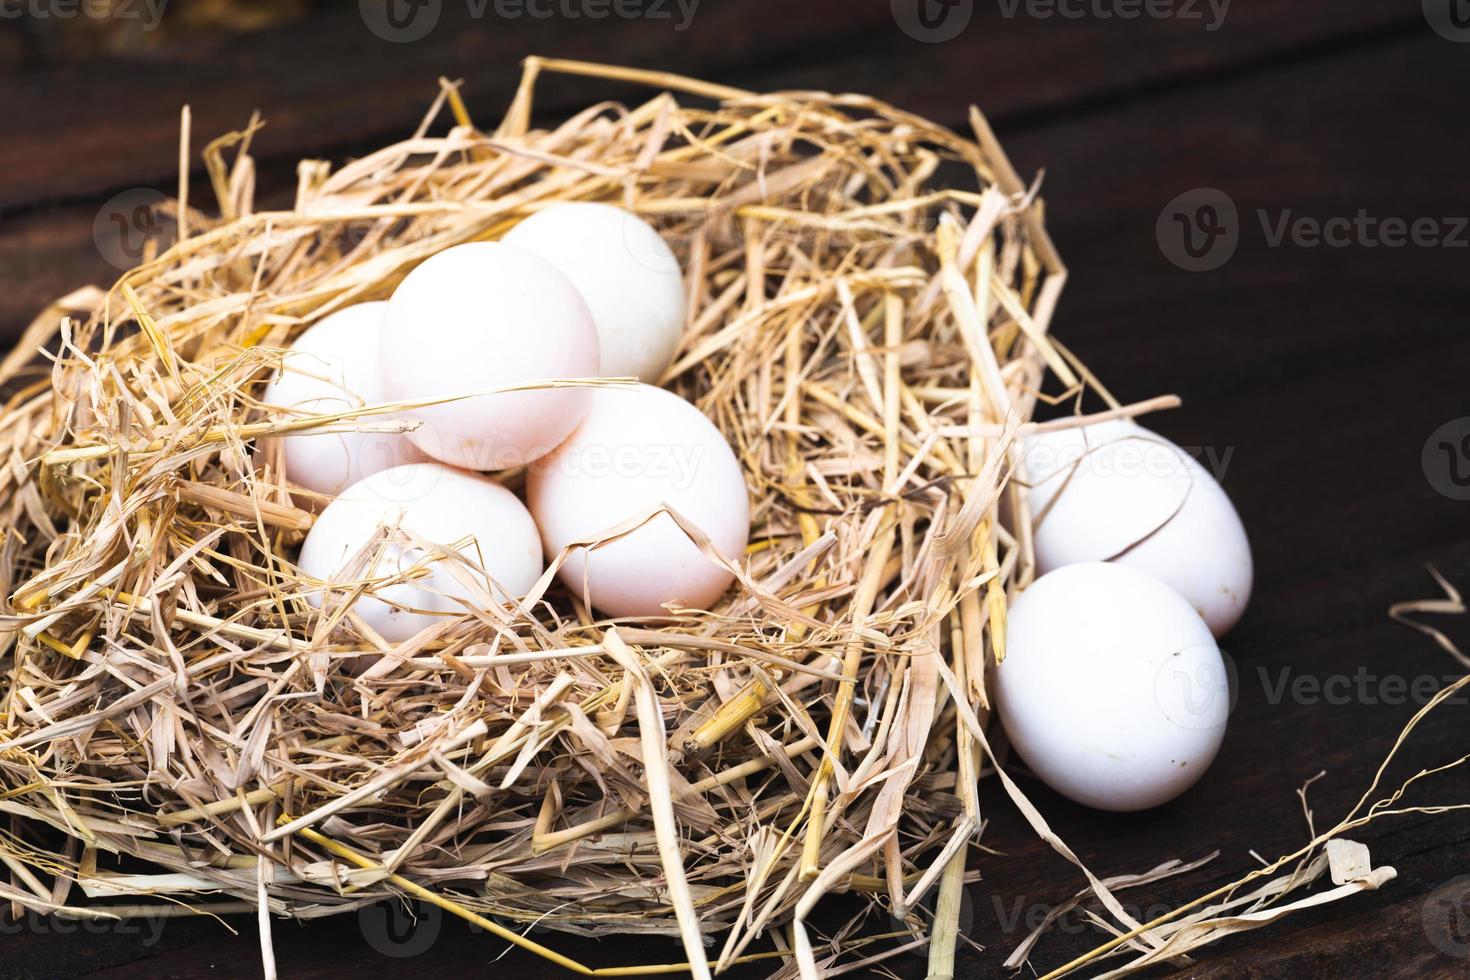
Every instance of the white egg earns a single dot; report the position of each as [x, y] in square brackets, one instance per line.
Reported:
[1114, 491]
[1112, 689]
[438, 505]
[476, 319]
[626, 273]
[333, 367]
[640, 448]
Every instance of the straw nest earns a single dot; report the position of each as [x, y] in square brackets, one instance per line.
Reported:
[179, 724]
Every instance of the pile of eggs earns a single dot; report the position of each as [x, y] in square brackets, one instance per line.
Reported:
[1113, 689]
[492, 345]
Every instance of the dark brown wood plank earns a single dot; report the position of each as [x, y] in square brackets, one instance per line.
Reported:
[1322, 371]
[310, 80]
[115, 122]
[1395, 934]
[329, 86]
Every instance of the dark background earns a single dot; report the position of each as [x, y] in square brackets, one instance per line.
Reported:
[1317, 372]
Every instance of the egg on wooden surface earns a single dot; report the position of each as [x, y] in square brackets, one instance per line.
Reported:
[1113, 690]
[475, 319]
[1114, 491]
[637, 449]
[333, 367]
[438, 505]
[627, 274]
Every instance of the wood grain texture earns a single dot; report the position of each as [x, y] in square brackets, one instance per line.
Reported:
[1315, 373]
[1320, 372]
[328, 87]
[115, 121]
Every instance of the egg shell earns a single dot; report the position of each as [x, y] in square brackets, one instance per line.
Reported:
[1112, 689]
[640, 448]
[441, 506]
[478, 318]
[1114, 491]
[627, 274]
[333, 367]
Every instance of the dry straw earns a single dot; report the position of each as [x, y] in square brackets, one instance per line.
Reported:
[182, 730]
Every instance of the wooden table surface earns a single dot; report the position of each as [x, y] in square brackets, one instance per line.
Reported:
[1314, 372]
